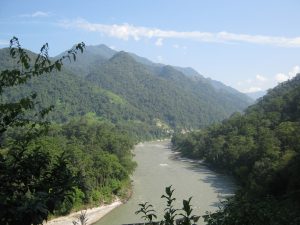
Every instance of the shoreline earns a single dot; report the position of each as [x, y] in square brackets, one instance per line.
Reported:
[92, 215]
[96, 213]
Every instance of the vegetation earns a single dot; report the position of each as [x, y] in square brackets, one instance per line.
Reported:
[261, 149]
[165, 93]
[51, 169]
[82, 219]
[84, 156]
[172, 215]
[115, 87]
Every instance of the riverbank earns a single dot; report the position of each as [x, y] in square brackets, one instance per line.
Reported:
[92, 215]
[157, 168]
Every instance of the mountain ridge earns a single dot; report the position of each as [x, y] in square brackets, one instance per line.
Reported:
[149, 93]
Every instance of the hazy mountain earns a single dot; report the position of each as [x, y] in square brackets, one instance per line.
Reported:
[91, 57]
[103, 53]
[257, 94]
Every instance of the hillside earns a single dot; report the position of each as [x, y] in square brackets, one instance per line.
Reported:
[120, 88]
[261, 149]
[166, 93]
[74, 97]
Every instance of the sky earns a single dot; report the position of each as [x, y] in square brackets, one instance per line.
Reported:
[248, 45]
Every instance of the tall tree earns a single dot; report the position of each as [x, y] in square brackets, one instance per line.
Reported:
[32, 184]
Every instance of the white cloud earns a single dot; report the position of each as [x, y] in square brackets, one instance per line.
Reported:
[176, 46]
[252, 89]
[258, 83]
[159, 42]
[127, 31]
[280, 77]
[261, 82]
[36, 14]
[40, 14]
[294, 72]
[260, 78]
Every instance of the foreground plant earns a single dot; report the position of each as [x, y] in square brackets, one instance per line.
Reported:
[82, 219]
[172, 215]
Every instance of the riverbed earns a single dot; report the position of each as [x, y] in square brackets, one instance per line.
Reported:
[158, 167]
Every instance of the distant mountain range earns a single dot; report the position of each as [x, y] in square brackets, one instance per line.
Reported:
[122, 87]
[257, 94]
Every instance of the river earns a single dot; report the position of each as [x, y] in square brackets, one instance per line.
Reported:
[159, 167]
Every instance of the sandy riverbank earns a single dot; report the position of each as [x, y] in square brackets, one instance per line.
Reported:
[93, 215]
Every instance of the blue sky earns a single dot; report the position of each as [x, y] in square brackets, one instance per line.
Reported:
[249, 45]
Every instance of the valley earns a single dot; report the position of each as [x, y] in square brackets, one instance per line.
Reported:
[159, 167]
[68, 133]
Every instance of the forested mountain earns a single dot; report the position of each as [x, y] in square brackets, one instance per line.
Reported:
[261, 149]
[91, 58]
[178, 96]
[122, 87]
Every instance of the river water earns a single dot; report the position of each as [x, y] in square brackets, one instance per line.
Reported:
[159, 167]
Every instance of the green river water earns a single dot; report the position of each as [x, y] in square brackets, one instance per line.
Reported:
[159, 167]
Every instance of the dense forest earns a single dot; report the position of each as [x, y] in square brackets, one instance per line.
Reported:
[52, 168]
[261, 149]
[97, 154]
[130, 91]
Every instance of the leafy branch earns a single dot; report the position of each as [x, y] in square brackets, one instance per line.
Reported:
[171, 215]
[147, 211]
[13, 113]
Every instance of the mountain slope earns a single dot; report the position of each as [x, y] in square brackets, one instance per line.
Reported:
[195, 76]
[118, 87]
[91, 57]
[167, 94]
[72, 96]
[261, 149]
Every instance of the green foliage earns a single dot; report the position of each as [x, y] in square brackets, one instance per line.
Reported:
[33, 183]
[249, 210]
[170, 211]
[125, 92]
[99, 155]
[13, 112]
[165, 93]
[260, 148]
[186, 217]
[148, 212]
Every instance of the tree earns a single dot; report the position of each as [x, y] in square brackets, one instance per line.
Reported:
[32, 184]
